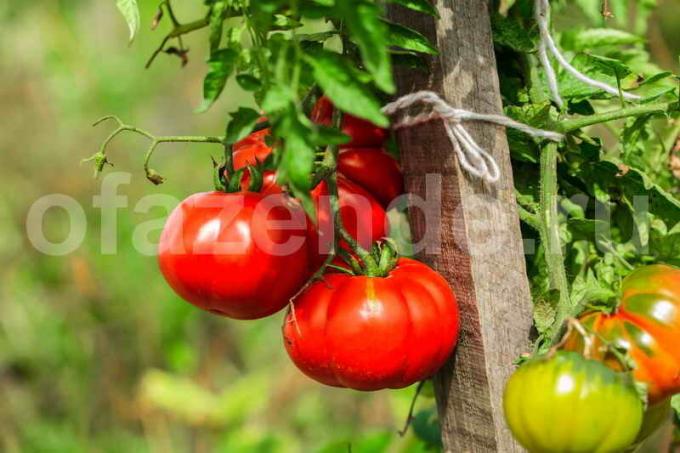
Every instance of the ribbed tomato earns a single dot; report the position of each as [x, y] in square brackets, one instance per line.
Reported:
[374, 170]
[647, 325]
[567, 403]
[231, 254]
[371, 333]
[362, 133]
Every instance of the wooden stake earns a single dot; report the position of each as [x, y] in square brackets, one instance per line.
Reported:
[481, 245]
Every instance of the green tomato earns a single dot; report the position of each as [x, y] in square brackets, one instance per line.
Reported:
[566, 403]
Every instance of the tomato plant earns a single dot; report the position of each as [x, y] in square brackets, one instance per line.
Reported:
[224, 252]
[646, 325]
[371, 333]
[568, 403]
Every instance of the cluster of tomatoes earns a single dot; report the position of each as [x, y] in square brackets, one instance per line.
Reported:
[586, 394]
[247, 254]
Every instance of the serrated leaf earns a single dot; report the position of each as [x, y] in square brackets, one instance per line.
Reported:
[544, 316]
[409, 39]
[334, 74]
[423, 6]
[242, 122]
[221, 65]
[366, 29]
[130, 11]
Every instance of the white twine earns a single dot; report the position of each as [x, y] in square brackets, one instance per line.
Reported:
[472, 157]
[542, 14]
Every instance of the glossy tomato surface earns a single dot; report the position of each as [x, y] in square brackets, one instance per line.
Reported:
[227, 254]
[647, 325]
[251, 150]
[374, 170]
[371, 333]
[567, 403]
[362, 133]
[362, 216]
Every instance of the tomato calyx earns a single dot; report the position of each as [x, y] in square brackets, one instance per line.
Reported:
[228, 180]
[380, 261]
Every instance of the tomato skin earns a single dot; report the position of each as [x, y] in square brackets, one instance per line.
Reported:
[567, 403]
[647, 325]
[251, 150]
[217, 251]
[374, 170]
[362, 133]
[362, 216]
[372, 333]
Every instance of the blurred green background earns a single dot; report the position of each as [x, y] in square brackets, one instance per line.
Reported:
[96, 352]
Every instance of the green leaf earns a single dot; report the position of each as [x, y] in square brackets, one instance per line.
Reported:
[367, 30]
[335, 76]
[593, 38]
[297, 159]
[242, 122]
[248, 82]
[221, 65]
[508, 32]
[130, 11]
[409, 39]
[423, 6]
[216, 25]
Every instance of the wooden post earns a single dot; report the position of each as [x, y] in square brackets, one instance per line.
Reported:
[482, 252]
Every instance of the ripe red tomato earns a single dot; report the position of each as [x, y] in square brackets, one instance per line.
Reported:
[647, 325]
[371, 333]
[251, 150]
[374, 170]
[226, 253]
[566, 403]
[362, 216]
[362, 133]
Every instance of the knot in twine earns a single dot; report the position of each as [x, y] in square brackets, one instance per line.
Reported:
[474, 159]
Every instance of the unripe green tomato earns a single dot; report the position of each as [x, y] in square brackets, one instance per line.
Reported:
[566, 403]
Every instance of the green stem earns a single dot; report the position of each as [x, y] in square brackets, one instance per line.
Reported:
[550, 236]
[638, 110]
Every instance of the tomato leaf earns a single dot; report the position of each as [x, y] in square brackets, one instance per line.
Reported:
[409, 39]
[370, 34]
[242, 122]
[423, 6]
[334, 75]
[221, 65]
[130, 11]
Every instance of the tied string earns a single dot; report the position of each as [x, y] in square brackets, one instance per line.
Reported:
[472, 158]
[547, 44]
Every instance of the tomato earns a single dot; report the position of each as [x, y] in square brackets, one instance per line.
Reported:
[362, 216]
[567, 403]
[251, 150]
[647, 325]
[226, 253]
[362, 133]
[371, 333]
[374, 170]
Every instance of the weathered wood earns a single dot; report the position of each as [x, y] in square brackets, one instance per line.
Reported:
[481, 245]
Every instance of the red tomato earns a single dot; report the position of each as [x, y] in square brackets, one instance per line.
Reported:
[374, 170]
[647, 325]
[251, 150]
[362, 133]
[371, 333]
[227, 252]
[362, 216]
